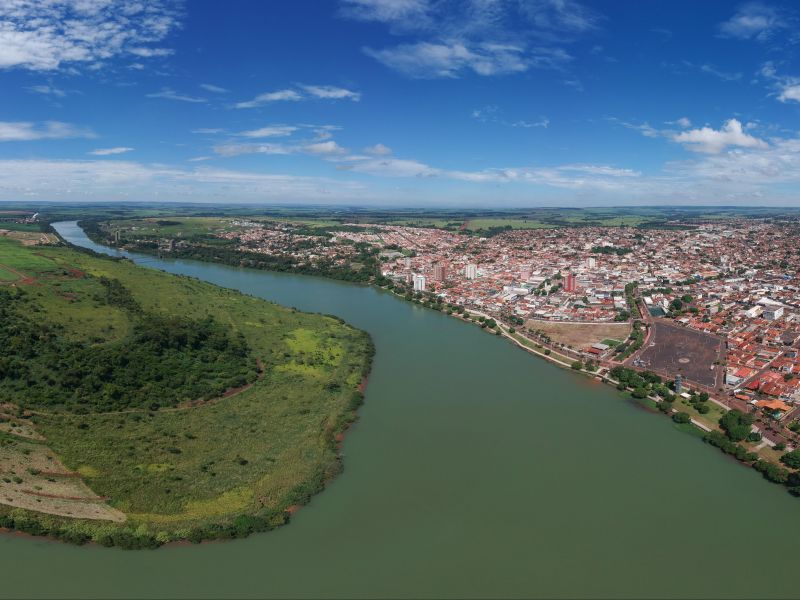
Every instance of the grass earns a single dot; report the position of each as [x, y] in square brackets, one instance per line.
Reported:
[6, 275]
[256, 452]
[515, 223]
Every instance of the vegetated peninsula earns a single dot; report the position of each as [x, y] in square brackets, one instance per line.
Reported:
[138, 407]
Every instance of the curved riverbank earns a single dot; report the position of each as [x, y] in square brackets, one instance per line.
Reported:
[139, 471]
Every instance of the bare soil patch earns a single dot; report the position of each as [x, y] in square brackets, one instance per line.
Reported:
[580, 335]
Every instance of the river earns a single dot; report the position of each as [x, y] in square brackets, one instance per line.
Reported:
[475, 470]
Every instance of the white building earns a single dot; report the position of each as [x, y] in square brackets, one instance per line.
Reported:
[772, 312]
[419, 283]
[471, 271]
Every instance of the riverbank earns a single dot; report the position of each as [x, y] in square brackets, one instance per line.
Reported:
[218, 465]
[559, 357]
[758, 454]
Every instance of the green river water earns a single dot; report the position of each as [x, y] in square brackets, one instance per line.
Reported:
[475, 470]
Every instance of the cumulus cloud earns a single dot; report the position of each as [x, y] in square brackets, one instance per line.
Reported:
[110, 151]
[169, 94]
[790, 93]
[22, 131]
[754, 20]
[713, 141]
[44, 35]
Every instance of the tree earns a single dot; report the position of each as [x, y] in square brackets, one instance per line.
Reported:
[677, 304]
[577, 365]
[737, 424]
[681, 417]
[791, 459]
[639, 392]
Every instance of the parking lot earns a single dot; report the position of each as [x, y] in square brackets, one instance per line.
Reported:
[675, 349]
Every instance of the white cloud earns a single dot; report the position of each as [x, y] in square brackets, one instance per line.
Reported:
[450, 59]
[790, 93]
[754, 20]
[169, 94]
[489, 37]
[493, 114]
[269, 131]
[378, 150]
[150, 52]
[391, 167]
[125, 180]
[213, 88]
[14, 131]
[44, 35]
[238, 149]
[47, 90]
[110, 151]
[713, 141]
[324, 148]
[266, 98]
[684, 122]
[331, 92]
[324, 92]
[406, 13]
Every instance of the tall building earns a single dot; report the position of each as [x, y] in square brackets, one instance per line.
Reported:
[439, 272]
[419, 283]
[570, 285]
[407, 262]
[471, 271]
[591, 262]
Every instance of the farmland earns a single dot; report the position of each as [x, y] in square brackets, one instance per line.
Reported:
[257, 440]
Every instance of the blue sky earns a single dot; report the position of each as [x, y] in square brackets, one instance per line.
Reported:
[479, 103]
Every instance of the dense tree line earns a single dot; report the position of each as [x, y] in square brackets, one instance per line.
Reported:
[163, 361]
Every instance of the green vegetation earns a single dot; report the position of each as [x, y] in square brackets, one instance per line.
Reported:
[199, 238]
[144, 387]
[162, 361]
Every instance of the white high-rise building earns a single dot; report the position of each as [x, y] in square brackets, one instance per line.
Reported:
[407, 262]
[591, 262]
[419, 283]
[471, 271]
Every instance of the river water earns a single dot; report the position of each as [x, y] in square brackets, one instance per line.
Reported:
[475, 470]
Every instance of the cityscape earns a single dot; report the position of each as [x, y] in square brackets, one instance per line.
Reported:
[399, 299]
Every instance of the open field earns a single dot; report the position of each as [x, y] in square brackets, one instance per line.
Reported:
[579, 335]
[171, 470]
[675, 349]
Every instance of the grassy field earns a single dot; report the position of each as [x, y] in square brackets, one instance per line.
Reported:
[175, 471]
[514, 223]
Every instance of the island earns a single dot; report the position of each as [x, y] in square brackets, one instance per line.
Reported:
[139, 408]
